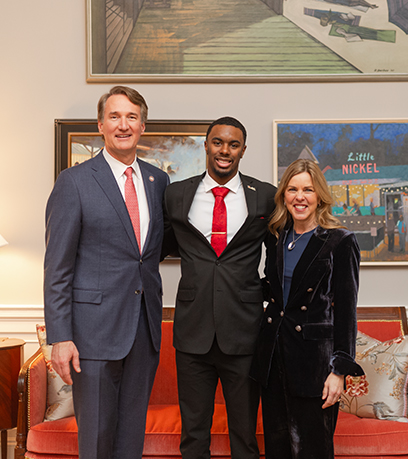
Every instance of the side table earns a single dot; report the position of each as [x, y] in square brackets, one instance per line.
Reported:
[11, 359]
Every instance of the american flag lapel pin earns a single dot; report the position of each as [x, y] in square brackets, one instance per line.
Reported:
[251, 188]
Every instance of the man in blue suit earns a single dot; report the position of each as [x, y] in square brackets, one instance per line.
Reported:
[102, 287]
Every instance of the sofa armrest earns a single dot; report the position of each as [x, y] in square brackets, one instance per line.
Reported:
[32, 399]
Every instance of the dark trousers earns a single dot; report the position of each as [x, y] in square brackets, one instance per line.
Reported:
[295, 427]
[111, 399]
[197, 377]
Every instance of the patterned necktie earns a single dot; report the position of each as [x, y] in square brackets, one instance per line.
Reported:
[132, 203]
[219, 225]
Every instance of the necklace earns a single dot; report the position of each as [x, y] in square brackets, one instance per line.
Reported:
[292, 244]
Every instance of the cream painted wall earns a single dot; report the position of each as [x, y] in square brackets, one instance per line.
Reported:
[42, 49]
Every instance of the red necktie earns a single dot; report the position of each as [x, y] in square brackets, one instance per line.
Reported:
[219, 225]
[132, 203]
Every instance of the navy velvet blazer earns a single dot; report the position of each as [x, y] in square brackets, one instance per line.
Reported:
[94, 273]
[317, 328]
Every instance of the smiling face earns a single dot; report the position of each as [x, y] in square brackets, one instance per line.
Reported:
[121, 127]
[301, 200]
[225, 147]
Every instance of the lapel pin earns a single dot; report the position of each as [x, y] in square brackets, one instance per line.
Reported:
[251, 188]
[151, 178]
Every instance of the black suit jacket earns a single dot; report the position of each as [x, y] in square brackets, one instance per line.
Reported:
[317, 328]
[217, 295]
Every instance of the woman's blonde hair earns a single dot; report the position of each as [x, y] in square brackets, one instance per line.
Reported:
[281, 216]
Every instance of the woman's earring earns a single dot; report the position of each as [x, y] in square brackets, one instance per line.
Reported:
[284, 203]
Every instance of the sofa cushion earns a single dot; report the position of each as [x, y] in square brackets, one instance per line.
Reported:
[163, 430]
[59, 394]
[382, 392]
[54, 437]
[363, 437]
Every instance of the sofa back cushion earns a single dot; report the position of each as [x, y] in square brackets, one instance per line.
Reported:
[164, 390]
[382, 323]
[381, 330]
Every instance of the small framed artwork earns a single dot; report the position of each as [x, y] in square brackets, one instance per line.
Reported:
[177, 147]
[365, 163]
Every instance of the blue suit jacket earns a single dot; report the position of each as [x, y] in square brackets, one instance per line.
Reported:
[94, 274]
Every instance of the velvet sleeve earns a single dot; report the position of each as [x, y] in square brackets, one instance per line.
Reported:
[346, 262]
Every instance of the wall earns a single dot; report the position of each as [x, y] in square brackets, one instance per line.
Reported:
[43, 59]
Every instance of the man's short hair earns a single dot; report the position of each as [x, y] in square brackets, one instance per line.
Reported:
[134, 97]
[228, 121]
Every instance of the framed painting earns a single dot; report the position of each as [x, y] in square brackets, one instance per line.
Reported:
[177, 147]
[365, 163]
[246, 40]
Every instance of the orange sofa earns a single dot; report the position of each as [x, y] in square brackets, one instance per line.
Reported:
[355, 438]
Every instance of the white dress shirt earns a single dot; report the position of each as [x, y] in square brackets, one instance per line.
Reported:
[118, 169]
[201, 211]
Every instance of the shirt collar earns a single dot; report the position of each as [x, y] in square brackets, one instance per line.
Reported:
[118, 168]
[233, 184]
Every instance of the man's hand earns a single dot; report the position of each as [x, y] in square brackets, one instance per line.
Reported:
[333, 388]
[62, 354]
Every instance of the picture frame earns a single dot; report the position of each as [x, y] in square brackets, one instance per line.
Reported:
[365, 163]
[146, 41]
[174, 146]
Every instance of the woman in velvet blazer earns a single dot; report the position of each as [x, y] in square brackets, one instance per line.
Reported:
[306, 344]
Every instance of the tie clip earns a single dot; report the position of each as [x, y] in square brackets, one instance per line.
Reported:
[219, 232]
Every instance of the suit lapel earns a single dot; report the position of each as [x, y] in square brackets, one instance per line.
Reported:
[150, 190]
[189, 192]
[251, 196]
[280, 256]
[188, 195]
[309, 255]
[106, 180]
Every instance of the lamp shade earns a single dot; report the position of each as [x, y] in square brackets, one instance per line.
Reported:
[2, 241]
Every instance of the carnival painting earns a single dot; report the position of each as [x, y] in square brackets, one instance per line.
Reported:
[365, 164]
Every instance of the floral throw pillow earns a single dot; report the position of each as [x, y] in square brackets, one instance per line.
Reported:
[382, 392]
[363, 344]
[59, 395]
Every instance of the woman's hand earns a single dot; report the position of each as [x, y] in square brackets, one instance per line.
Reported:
[333, 388]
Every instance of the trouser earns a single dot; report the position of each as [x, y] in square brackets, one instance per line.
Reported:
[197, 377]
[295, 427]
[111, 400]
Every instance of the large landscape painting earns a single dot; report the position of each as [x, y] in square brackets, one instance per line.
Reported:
[247, 40]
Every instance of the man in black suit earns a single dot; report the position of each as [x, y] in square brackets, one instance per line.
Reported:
[219, 302]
